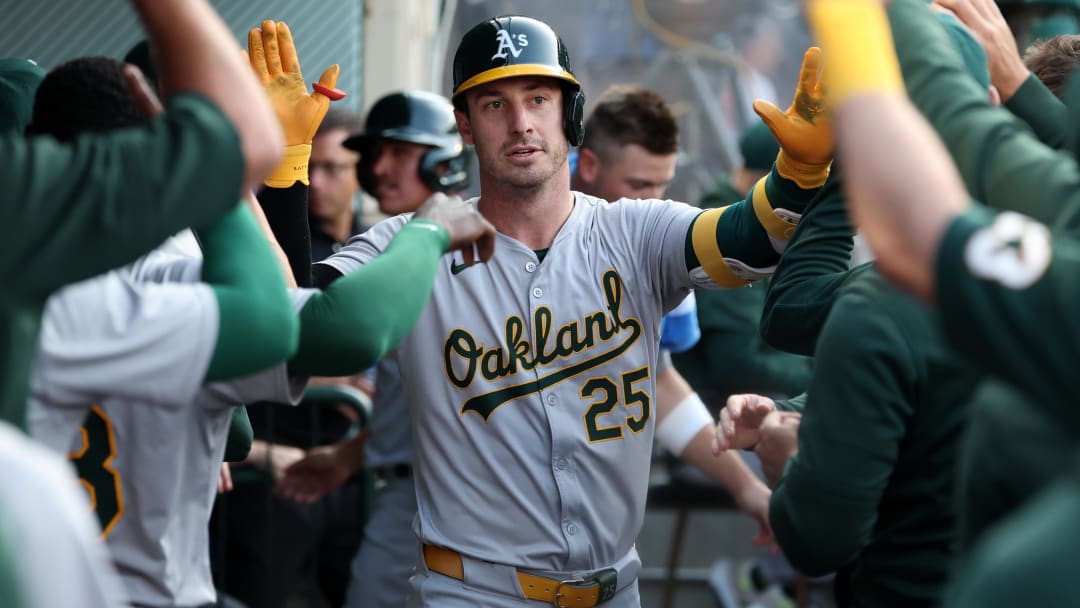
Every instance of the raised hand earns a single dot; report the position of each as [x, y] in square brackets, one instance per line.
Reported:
[273, 57]
[804, 130]
[985, 21]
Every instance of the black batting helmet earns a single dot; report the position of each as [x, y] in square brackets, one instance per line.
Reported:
[504, 47]
[419, 117]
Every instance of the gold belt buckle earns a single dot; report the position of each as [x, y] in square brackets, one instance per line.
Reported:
[559, 594]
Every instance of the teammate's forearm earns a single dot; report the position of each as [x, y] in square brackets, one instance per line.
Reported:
[902, 187]
[196, 52]
[811, 270]
[727, 469]
[1037, 106]
[286, 212]
[365, 314]
[268, 233]
[258, 326]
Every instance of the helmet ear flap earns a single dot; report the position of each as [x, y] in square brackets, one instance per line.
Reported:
[456, 176]
[574, 115]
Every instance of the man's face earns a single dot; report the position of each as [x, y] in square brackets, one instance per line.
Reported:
[516, 125]
[631, 172]
[396, 170]
[332, 173]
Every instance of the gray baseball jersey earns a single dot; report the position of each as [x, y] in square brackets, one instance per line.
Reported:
[390, 442]
[147, 447]
[47, 529]
[530, 385]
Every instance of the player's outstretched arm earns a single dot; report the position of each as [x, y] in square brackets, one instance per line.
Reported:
[257, 323]
[740, 243]
[902, 188]
[362, 316]
[1002, 163]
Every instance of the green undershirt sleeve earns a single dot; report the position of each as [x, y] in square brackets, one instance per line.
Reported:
[739, 233]
[240, 436]
[1037, 106]
[365, 314]
[258, 326]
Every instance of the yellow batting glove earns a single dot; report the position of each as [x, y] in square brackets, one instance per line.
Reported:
[804, 130]
[273, 58]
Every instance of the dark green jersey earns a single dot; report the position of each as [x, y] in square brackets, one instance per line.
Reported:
[1010, 453]
[1030, 560]
[1006, 296]
[811, 272]
[1047, 116]
[71, 212]
[1002, 162]
[871, 487]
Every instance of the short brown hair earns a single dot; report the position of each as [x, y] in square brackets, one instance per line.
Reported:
[630, 114]
[1053, 61]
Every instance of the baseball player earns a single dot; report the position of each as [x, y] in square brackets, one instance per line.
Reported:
[530, 377]
[134, 351]
[409, 148]
[76, 210]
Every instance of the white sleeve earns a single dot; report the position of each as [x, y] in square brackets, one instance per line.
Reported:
[113, 336]
[655, 231]
[363, 247]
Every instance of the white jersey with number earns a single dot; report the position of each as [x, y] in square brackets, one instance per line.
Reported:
[530, 385]
[118, 386]
[47, 533]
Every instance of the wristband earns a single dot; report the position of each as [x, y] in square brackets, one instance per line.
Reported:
[857, 46]
[293, 168]
[683, 423]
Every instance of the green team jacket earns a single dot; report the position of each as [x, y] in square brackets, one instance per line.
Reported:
[1003, 163]
[871, 487]
[870, 490]
[72, 212]
[1030, 560]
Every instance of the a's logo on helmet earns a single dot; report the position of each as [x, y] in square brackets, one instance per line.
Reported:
[506, 43]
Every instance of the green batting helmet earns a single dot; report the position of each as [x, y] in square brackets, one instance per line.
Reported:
[505, 47]
[419, 117]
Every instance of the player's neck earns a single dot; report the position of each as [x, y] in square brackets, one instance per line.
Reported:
[532, 217]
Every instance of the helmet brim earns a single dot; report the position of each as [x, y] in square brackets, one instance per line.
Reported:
[511, 71]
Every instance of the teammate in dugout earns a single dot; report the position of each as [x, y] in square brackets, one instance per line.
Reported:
[110, 199]
[151, 446]
[986, 272]
[532, 411]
